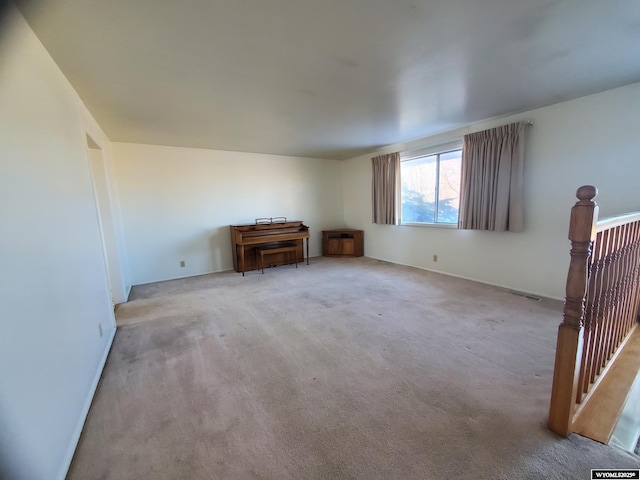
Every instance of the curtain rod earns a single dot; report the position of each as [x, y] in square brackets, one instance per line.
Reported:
[450, 143]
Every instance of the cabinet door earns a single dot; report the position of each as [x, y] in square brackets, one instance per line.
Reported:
[333, 246]
[348, 246]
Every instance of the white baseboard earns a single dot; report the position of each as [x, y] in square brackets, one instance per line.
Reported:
[73, 443]
[542, 295]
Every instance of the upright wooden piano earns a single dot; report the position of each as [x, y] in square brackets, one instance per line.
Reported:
[245, 239]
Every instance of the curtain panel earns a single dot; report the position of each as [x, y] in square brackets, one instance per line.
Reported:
[385, 188]
[492, 179]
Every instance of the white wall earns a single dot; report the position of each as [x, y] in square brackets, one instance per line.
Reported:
[53, 285]
[592, 140]
[178, 203]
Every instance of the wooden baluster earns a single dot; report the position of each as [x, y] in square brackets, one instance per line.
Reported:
[596, 315]
[634, 264]
[602, 306]
[622, 287]
[636, 275]
[625, 287]
[616, 311]
[569, 345]
[613, 330]
[631, 282]
[615, 272]
[606, 302]
[623, 292]
[590, 326]
[632, 286]
[615, 293]
[598, 328]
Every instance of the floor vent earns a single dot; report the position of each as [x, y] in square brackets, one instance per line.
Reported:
[525, 295]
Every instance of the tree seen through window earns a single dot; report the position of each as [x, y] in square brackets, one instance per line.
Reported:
[431, 188]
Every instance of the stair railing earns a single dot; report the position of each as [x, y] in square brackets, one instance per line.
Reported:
[601, 306]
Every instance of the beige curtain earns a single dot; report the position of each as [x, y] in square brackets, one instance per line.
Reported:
[384, 187]
[492, 177]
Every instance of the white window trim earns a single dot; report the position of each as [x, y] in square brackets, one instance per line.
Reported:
[432, 150]
[430, 225]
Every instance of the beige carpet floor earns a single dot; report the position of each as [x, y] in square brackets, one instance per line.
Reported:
[343, 369]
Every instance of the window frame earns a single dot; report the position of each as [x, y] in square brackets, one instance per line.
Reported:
[427, 152]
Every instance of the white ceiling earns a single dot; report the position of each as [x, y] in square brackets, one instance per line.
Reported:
[329, 78]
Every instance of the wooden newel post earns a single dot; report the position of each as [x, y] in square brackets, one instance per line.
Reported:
[584, 216]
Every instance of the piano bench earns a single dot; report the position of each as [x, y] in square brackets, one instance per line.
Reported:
[288, 248]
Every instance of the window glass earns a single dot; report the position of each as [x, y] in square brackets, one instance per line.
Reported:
[419, 190]
[431, 188]
[449, 187]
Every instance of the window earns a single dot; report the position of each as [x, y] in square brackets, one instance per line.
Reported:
[431, 187]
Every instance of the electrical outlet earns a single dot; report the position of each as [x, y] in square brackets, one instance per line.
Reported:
[435, 258]
[100, 329]
[182, 264]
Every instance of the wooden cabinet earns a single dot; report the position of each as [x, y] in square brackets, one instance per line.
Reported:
[344, 242]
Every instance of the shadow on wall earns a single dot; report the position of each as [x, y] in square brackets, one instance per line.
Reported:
[5, 23]
[220, 248]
